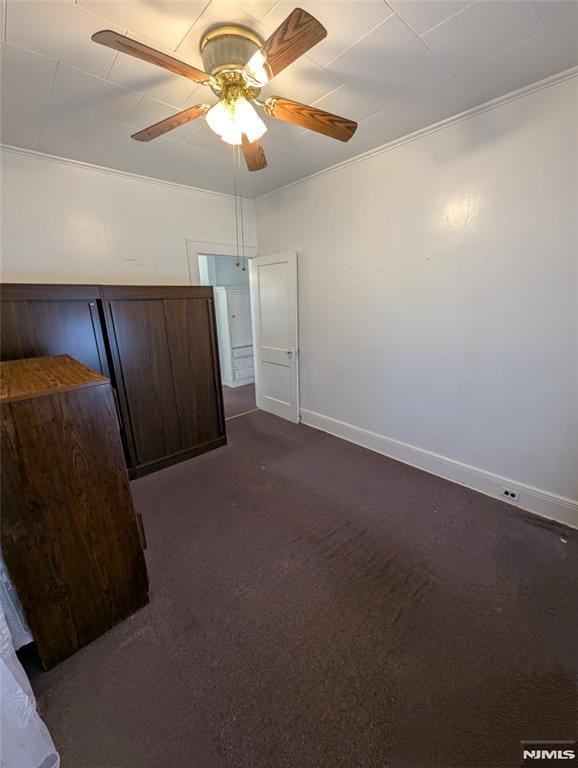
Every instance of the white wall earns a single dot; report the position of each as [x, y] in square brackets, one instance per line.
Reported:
[438, 305]
[67, 222]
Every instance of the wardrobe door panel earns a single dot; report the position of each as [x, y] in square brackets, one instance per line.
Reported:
[190, 333]
[143, 365]
[39, 320]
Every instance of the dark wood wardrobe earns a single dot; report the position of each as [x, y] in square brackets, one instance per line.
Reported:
[157, 344]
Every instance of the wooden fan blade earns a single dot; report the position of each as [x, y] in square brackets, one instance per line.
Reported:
[310, 117]
[164, 126]
[145, 53]
[254, 154]
[295, 36]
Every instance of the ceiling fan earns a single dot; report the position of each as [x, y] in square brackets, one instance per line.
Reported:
[239, 64]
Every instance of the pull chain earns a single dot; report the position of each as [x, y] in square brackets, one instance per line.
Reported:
[235, 164]
[244, 259]
[241, 258]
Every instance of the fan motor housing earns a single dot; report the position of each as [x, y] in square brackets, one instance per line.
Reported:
[228, 47]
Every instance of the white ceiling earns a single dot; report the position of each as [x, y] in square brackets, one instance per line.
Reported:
[394, 66]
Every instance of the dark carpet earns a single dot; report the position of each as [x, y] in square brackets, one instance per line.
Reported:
[315, 605]
[238, 400]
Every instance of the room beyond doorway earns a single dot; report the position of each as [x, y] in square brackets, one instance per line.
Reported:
[229, 277]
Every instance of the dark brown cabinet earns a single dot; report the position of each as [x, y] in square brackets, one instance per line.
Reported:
[69, 530]
[53, 320]
[157, 343]
[164, 350]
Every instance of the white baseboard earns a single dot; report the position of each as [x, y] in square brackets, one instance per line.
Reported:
[542, 503]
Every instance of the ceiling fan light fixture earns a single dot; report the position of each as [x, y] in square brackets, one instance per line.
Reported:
[249, 121]
[237, 63]
[255, 73]
[232, 135]
[231, 119]
[220, 118]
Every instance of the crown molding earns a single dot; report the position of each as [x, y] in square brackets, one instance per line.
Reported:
[447, 122]
[11, 149]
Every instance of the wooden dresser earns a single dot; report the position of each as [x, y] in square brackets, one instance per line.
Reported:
[69, 531]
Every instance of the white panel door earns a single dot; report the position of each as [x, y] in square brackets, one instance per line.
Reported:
[275, 342]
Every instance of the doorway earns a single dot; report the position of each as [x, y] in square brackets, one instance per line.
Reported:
[259, 346]
[229, 277]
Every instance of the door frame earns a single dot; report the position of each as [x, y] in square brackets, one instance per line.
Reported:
[196, 264]
[197, 272]
[256, 335]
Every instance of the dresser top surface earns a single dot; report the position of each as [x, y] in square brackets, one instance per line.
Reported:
[39, 376]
